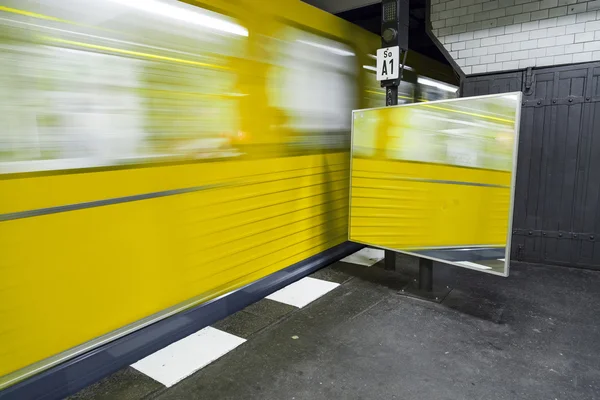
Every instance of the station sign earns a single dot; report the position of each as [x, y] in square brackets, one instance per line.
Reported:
[388, 63]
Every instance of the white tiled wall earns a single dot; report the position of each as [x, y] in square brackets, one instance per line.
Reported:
[499, 35]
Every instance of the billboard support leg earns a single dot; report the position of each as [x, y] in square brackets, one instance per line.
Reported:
[425, 274]
[423, 287]
[390, 260]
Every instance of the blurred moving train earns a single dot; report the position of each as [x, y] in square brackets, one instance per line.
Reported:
[156, 154]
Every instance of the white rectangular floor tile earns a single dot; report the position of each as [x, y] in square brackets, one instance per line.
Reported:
[303, 292]
[186, 356]
[367, 257]
[472, 265]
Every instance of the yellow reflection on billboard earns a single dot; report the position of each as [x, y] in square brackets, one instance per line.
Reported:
[436, 179]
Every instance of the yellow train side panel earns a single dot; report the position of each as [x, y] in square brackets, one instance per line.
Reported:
[94, 270]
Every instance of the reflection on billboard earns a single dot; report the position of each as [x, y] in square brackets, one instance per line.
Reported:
[471, 134]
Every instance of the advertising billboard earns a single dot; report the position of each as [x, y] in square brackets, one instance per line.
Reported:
[436, 179]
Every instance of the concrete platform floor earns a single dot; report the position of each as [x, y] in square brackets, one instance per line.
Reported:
[534, 335]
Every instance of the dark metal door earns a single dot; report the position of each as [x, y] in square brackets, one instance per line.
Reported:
[492, 84]
[557, 210]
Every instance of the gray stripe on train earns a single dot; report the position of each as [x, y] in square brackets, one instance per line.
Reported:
[100, 203]
[137, 197]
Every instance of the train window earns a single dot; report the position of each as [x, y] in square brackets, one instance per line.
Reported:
[434, 90]
[313, 83]
[115, 82]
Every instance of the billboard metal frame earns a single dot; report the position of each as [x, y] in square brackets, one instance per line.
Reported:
[512, 186]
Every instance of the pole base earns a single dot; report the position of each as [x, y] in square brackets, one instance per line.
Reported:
[436, 295]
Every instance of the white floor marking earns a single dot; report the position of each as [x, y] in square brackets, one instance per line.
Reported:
[186, 356]
[472, 265]
[303, 292]
[366, 257]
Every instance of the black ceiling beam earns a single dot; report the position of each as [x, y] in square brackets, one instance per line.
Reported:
[369, 18]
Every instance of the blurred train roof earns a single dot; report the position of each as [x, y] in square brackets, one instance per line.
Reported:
[367, 15]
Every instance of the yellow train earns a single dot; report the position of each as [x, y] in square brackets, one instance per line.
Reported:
[157, 154]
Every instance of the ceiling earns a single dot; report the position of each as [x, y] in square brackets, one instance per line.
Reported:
[338, 6]
[367, 14]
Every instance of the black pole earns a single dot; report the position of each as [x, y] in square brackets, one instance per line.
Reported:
[391, 96]
[394, 32]
[394, 38]
[391, 99]
[390, 260]
[425, 274]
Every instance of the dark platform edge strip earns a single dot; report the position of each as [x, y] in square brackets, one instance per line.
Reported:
[73, 375]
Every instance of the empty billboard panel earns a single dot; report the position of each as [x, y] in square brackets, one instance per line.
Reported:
[437, 179]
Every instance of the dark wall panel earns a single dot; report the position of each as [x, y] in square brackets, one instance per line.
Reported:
[556, 214]
[482, 85]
